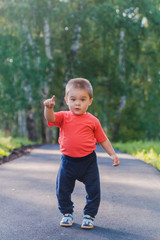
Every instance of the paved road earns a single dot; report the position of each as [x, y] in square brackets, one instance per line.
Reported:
[129, 210]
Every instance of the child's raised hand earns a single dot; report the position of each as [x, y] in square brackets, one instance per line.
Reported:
[116, 161]
[49, 103]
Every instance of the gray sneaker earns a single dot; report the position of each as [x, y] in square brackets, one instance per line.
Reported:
[67, 220]
[87, 222]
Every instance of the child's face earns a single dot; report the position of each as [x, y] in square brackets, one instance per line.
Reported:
[78, 100]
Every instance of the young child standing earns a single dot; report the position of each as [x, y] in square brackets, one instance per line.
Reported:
[79, 133]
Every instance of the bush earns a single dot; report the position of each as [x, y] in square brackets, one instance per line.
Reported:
[149, 152]
[8, 143]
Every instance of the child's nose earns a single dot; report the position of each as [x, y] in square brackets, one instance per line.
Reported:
[78, 102]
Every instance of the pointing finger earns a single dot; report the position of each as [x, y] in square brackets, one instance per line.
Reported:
[53, 97]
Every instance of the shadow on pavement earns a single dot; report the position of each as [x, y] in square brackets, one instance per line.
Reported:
[108, 233]
[102, 234]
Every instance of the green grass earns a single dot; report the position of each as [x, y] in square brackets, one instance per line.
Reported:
[8, 143]
[148, 152]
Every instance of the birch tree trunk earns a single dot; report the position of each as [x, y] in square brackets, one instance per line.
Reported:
[30, 122]
[72, 56]
[46, 132]
[122, 68]
[22, 128]
[122, 101]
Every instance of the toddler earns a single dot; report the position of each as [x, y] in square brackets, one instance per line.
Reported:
[79, 133]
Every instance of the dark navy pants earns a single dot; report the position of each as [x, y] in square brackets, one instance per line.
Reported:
[85, 170]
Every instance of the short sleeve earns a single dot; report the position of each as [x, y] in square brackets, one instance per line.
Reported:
[99, 132]
[59, 119]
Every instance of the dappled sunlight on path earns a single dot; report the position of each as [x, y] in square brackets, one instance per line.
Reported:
[120, 155]
[130, 182]
[46, 151]
[129, 207]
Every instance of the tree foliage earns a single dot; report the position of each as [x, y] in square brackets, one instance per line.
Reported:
[114, 43]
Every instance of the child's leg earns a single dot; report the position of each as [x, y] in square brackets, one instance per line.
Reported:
[92, 185]
[64, 187]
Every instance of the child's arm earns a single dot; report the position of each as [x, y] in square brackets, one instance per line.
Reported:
[49, 109]
[106, 145]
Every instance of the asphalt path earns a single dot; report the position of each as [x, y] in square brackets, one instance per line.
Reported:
[130, 204]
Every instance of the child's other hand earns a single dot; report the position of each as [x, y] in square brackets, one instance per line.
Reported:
[116, 161]
[49, 103]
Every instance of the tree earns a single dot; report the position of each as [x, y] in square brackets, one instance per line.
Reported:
[114, 44]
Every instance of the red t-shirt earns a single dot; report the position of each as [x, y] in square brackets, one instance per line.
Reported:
[78, 133]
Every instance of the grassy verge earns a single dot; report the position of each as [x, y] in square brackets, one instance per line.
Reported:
[8, 144]
[149, 152]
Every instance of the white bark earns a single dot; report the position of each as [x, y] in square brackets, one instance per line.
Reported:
[49, 55]
[27, 33]
[76, 38]
[31, 42]
[30, 123]
[73, 55]
[122, 68]
[26, 86]
[47, 37]
[46, 84]
[22, 130]
[121, 55]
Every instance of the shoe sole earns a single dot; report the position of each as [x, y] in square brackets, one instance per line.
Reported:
[66, 225]
[87, 227]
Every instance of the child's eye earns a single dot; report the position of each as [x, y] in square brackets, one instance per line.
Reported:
[83, 99]
[73, 99]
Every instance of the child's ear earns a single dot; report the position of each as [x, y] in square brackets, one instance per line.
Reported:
[66, 100]
[90, 102]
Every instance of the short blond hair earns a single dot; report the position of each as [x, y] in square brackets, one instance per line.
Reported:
[80, 83]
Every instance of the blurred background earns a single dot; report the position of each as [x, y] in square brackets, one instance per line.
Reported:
[113, 43]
